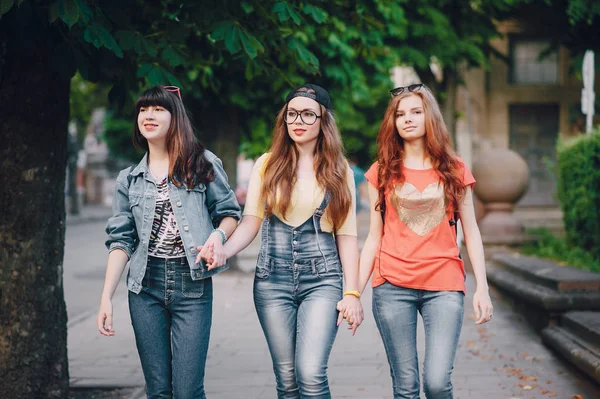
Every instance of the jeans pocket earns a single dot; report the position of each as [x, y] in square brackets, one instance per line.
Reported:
[261, 272]
[191, 288]
[331, 270]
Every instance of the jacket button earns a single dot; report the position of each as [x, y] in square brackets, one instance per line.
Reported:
[186, 228]
[179, 203]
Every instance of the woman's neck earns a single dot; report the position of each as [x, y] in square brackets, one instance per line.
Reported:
[305, 166]
[158, 160]
[415, 156]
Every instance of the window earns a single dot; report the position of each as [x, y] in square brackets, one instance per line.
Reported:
[528, 68]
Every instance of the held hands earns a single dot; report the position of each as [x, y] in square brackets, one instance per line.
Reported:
[105, 317]
[212, 252]
[351, 310]
[482, 305]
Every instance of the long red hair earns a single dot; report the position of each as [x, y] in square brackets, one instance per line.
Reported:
[330, 168]
[438, 149]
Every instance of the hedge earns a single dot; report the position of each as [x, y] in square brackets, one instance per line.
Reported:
[578, 190]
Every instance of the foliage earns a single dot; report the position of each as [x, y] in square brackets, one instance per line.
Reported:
[244, 55]
[578, 190]
[84, 98]
[117, 136]
[551, 247]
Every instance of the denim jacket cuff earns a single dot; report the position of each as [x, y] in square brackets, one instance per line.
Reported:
[120, 245]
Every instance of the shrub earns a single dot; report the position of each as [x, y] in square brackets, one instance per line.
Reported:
[578, 190]
[556, 249]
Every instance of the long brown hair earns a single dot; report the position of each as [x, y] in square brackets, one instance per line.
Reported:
[330, 168]
[438, 149]
[187, 163]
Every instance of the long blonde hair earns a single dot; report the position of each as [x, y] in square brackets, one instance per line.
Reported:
[330, 168]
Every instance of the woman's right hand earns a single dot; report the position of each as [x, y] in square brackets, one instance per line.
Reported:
[105, 318]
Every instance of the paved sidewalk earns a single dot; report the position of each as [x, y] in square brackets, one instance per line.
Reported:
[500, 360]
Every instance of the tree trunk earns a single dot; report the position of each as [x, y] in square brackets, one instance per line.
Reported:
[449, 104]
[222, 136]
[33, 153]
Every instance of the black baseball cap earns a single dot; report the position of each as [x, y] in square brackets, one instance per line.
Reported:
[320, 95]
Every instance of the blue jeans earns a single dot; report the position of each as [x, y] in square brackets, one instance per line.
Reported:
[395, 311]
[171, 319]
[296, 306]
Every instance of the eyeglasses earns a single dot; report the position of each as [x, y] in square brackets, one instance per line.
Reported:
[307, 116]
[173, 89]
[399, 90]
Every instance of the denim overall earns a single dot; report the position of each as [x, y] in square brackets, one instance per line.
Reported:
[297, 285]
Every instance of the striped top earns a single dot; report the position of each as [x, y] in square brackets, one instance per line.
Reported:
[165, 240]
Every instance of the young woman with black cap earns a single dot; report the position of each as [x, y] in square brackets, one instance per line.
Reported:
[302, 193]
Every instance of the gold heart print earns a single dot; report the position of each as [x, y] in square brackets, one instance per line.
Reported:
[421, 211]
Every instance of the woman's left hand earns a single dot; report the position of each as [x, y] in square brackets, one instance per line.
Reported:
[482, 305]
[350, 309]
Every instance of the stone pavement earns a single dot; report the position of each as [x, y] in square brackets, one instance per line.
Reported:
[500, 360]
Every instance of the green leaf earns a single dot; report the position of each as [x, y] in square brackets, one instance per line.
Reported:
[90, 35]
[86, 12]
[232, 39]
[52, 12]
[5, 6]
[247, 7]
[285, 12]
[156, 76]
[251, 45]
[126, 39]
[305, 56]
[318, 14]
[220, 30]
[172, 57]
[172, 79]
[143, 70]
[149, 47]
[109, 41]
[68, 10]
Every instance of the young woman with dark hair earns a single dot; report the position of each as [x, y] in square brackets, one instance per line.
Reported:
[302, 193]
[417, 189]
[163, 210]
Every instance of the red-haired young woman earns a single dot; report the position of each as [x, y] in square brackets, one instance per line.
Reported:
[417, 186]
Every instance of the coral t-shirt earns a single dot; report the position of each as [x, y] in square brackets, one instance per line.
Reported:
[418, 247]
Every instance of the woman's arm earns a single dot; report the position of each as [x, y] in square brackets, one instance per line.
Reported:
[117, 259]
[242, 236]
[121, 243]
[350, 305]
[482, 304]
[372, 243]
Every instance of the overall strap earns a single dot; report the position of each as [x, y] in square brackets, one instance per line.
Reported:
[321, 209]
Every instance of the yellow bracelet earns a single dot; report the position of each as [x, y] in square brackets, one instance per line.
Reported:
[353, 293]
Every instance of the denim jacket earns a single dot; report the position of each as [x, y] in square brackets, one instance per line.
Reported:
[196, 211]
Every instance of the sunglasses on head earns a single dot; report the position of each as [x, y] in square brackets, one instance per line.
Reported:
[173, 89]
[410, 88]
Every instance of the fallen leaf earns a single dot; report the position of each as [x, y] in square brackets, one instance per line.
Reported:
[549, 382]
[552, 394]
[560, 372]
[577, 397]
[471, 343]
[527, 378]
[544, 391]
[527, 388]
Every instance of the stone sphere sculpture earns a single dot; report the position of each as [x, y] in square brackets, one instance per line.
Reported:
[502, 179]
